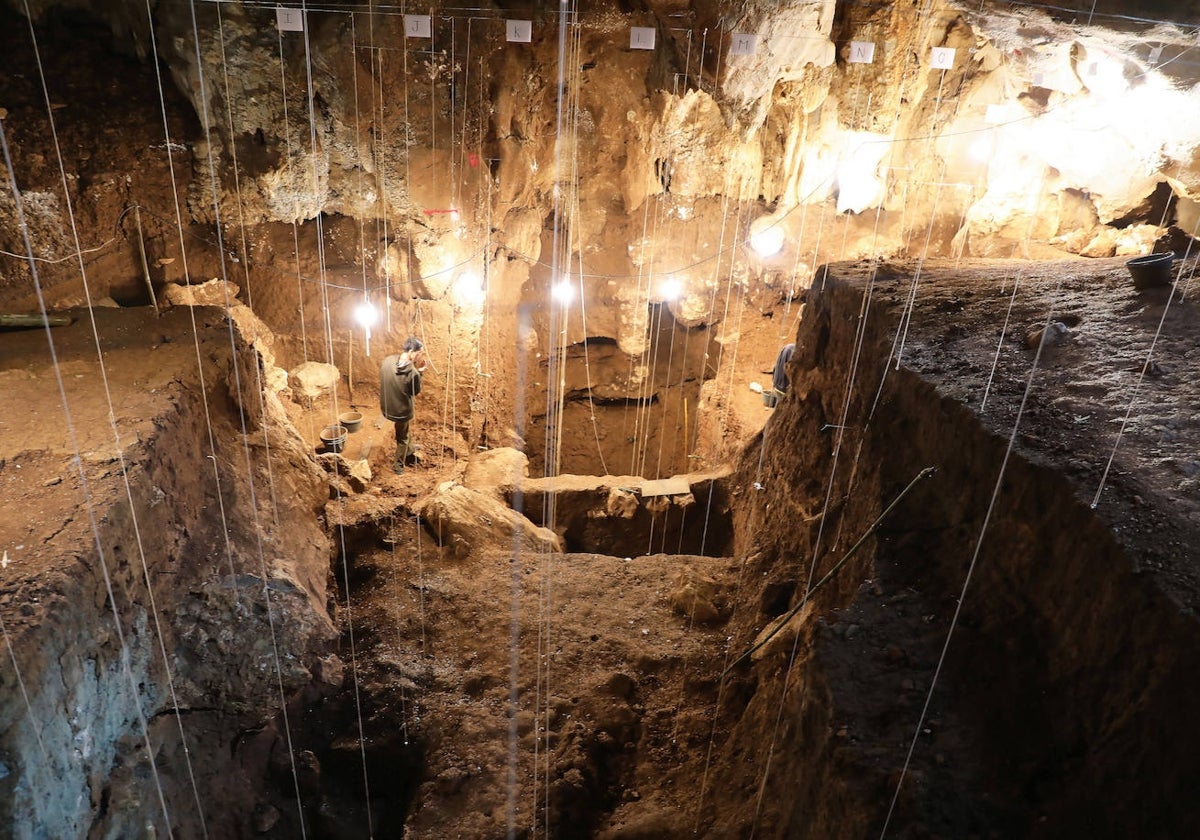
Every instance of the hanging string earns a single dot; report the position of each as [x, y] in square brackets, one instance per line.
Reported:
[93, 523]
[397, 585]
[641, 271]
[69, 204]
[987, 518]
[200, 373]
[291, 181]
[579, 249]
[310, 93]
[1135, 391]
[358, 153]
[839, 437]
[34, 724]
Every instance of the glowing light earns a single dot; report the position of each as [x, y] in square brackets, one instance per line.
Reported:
[366, 314]
[468, 289]
[670, 289]
[767, 242]
[980, 149]
[563, 292]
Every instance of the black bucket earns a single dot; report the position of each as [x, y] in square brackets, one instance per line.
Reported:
[352, 420]
[333, 437]
[1151, 270]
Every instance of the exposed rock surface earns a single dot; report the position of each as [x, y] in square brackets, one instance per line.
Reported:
[1059, 591]
[412, 171]
[470, 521]
[132, 542]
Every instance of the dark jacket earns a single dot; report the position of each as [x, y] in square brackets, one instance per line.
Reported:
[399, 382]
[779, 380]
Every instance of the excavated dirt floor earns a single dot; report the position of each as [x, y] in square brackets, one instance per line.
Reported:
[581, 693]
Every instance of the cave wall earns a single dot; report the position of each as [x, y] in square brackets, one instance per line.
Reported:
[214, 543]
[1063, 683]
[658, 165]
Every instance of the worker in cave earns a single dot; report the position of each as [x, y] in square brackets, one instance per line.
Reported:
[779, 378]
[399, 383]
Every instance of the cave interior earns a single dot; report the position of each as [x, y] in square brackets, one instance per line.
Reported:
[644, 574]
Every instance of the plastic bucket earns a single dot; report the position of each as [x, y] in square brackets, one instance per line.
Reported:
[1151, 270]
[352, 420]
[333, 437]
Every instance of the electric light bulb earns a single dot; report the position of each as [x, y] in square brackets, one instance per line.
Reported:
[563, 292]
[366, 314]
[767, 242]
[980, 149]
[670, 289]
[468, 289]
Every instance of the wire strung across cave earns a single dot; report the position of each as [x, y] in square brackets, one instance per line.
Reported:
[581, 275]
[1012, 439]
[1144, 369]
[823, 517]
[249, 470]
[120, 457]
[93, 523]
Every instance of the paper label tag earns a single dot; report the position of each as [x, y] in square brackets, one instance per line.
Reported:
[1156, 54]
[289, 20]
[519, 31]
[942, 58]
[418, 26]
[862, 52]
[641, 37]
[743, 44]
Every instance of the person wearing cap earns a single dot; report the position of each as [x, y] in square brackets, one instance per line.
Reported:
[399, 383]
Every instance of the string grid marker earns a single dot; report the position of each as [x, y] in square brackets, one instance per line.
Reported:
[743, 44]
[418, 26]
[941, 58]
[289, 20]
[641, 37]
[519, 31]
[862, 52]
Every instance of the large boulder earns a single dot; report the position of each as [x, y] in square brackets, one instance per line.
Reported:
[496, 472]
[213, 293]
[312, 379]
[469, 521]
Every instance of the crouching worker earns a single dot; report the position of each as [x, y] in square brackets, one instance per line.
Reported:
[399, 383]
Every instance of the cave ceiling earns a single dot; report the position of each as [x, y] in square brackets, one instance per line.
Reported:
[961, 129]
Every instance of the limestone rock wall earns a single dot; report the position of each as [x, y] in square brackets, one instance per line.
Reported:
[448, 181]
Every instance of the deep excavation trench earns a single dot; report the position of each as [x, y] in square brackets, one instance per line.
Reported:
[217, 630]
[574, 684]
[582, 694]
